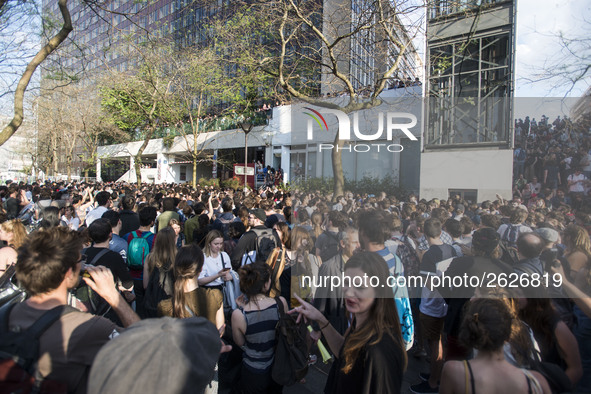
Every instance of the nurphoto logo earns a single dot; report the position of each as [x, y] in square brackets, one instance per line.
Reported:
[397, 123]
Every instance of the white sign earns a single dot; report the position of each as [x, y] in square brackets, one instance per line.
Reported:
[240, 170]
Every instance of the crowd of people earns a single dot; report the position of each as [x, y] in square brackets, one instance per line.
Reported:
[552, 160]
[179, 289]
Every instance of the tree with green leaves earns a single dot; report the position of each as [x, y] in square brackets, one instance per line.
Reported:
[143, 99]
[311, 48]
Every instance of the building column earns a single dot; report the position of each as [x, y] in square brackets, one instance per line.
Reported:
[163, 168]
[98, 170]
[269, 155]
[131, 177]
[214, 168]
[285, 162]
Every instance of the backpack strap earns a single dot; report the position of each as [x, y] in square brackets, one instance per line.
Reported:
[280, 307]
[47, 319]
[4, 314]
[98, 256]
[146, 235]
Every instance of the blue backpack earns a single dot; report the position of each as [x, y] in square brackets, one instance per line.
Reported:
[138, 250]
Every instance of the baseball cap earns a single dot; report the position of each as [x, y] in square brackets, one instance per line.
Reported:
[548, 234]
[259, 213]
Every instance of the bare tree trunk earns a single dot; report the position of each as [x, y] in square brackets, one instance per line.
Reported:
[194, 172]
[337, 168]
[54, 149]
[69, 167]
[19, 94]
[138, 156]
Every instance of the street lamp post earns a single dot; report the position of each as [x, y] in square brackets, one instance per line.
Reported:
[246, 128]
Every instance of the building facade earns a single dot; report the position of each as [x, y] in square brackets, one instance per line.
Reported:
[469, 104]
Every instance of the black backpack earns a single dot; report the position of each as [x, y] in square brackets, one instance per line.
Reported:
[330, 247]
[160, 288]
[266, 243]
[291, 349]
[19, 354]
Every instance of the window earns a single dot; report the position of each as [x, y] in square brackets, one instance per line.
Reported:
[469, 85]
[183, 173]
[468, 195]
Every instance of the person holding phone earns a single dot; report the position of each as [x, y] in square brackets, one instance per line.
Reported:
[216, 268]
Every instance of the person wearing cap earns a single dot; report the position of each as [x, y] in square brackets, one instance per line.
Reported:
[248, 241]
[69, 346]
[167, 355]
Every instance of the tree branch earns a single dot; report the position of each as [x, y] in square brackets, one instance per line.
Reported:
[19, 95]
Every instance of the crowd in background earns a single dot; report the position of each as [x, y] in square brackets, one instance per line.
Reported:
[180, 252]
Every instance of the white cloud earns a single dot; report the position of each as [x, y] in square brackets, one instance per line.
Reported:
[539, 24]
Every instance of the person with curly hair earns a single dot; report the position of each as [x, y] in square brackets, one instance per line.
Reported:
[12, 232]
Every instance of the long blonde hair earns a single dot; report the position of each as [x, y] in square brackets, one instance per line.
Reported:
[577, 240]
[18, 231]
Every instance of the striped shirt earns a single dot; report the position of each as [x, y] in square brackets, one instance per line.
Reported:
[259, 346]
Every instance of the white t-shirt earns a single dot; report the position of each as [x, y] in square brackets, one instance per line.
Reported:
[577, 187]
[73, 223]
[211, 266]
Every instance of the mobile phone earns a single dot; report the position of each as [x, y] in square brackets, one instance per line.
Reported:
[226, 270]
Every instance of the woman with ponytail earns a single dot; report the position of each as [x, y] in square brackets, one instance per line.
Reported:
[253, 329]
[189, 299]
[371, 356]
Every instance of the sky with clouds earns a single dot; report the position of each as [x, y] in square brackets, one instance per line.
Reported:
[539, 25]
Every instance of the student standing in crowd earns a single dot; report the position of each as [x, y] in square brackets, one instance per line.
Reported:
[253, 329]
[371, 355]
[217, 262]
[188, 298]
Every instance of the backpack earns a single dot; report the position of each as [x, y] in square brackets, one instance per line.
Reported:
[509, 253]
[291, 349]
[265, 244]
[277, 263]
[330, 248]
[138, 250]
[224, 226]
[511, 234]
[26, 214]
[159, 288]
[19, 353]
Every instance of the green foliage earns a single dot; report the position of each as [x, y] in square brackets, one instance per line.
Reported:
[233, 183]
[207, 182]
[167, 141]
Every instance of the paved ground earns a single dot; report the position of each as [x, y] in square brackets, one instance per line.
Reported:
[319, 372]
